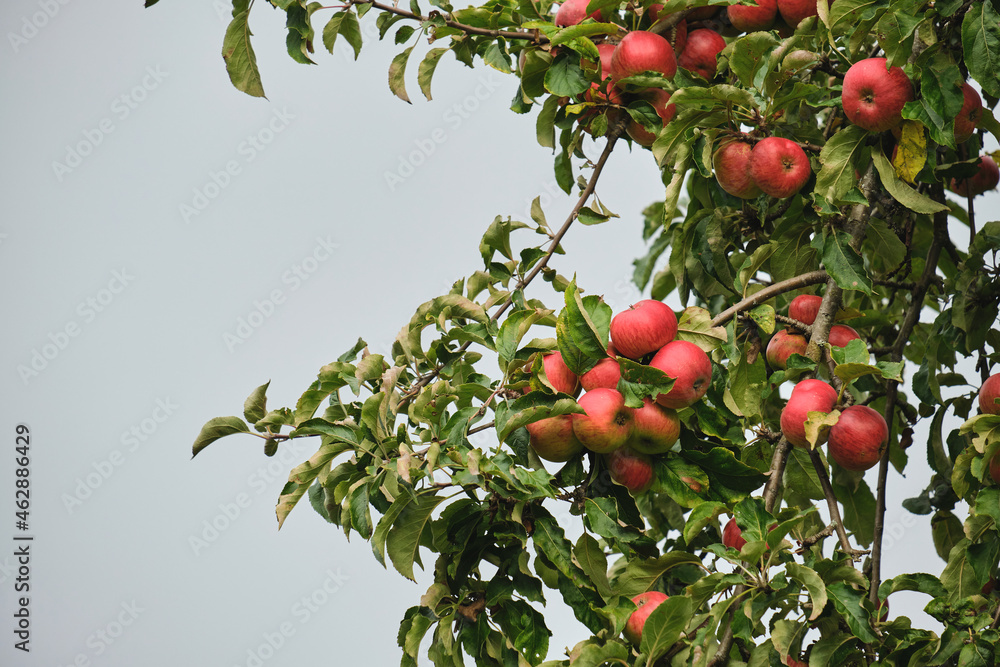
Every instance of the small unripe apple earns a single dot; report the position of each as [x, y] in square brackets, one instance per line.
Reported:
[807, 396]
[873, 97]
[656, 428]
[553, 439]
[642, 51]
[645, 603]
[968, 117]
[560, 376]
[985, 179]
[607, 424]
[805, 308]
[631, 469]
[731, 162]
[784, 344]
[841, 335]
[859, 438]
[732, 536]
[987, 393]
[645, 327]
[779, 166]
[751, 19]
[572, 12]
[691, 368]
[605, 373]
[700, 51]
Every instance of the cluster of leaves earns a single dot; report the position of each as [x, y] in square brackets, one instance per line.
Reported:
[429, 451]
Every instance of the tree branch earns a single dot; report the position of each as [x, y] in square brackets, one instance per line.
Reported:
[912, 317]
[532, 36]
[798, 282]
[778, 461]
[831, 502]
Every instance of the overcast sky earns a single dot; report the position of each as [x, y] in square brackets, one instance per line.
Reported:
[168, 245]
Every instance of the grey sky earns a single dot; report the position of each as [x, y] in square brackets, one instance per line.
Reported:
[149, 208]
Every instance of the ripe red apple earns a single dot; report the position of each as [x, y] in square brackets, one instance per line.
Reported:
[691, 368]
[985, 179]
[784, 344]
[751, 19]
[731, 162]
[804, 308]
[968, 117]
[859, 438]
[732, 536]
[702, 13]
[553, 438]
[779, 167]
[630, 468]
[807, 396]
[645, 327]
[676, 35]
[699, 54]
[796, 11]
[646, 603]
[989, 391]
[605, 374]
[873, 97]
[594, 94]
[607, 424]
[572, 12]
[659, 98]
[841, 335]
[656, 428]
[560, 376]
[642, 51]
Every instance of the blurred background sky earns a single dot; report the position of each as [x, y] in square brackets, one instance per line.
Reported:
[149, 208]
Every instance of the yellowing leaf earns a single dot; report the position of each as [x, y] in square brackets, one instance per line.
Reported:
[911, 156]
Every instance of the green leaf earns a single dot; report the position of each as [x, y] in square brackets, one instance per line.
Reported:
[255, 407]
[385, 524]
[885, 244]
[702, 515]
[532, 407]
[425, 72]
[583, 339]
[749, 54]
[594, 563]
[639, 381]
[842, 262]
[813, 584]
[919, 582]
[216, 428]
[839, 156]
[664, 626]
[641, 574]
[564, 77]
[981, 45]
[397, 70]
[848, 603]
[404, 538]
[241, 62]
[902, 192]
[525, 628]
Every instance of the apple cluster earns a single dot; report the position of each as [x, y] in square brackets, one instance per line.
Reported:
[786, 342]
[627, 437]
[774, 166]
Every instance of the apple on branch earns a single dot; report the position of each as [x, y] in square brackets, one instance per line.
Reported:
[784, 344]
[659, 99]
[631, 469]
[700, 51]
[645, 604]
[807, 396]
[805, 308]
[779, 166]
[644, 328]
[656, 428]
[553, 439]
[984, 180]
[731, 162]
[841, 335]
[559, 375]
[968, 116]
[987, 395]
[691, 369]
[573, 12]
[873, 96]
[859, 438]
[607, 424]
[641, 51]
[746, 18]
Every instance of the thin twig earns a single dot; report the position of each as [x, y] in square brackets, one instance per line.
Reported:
[532, 36]
[831, 502]
[813, 539]
[798, 282]
[778, 461]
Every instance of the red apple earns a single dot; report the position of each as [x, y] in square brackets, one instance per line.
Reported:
[732, 536]
[691, 368]
[985, 179]
[594, 94]
[553, 438]
[646, 603]
[572, 12]
[796, 11]
[607, 424]
[784, 344]
[968, 117]
[859, 438]
[699, 54]
[605, 374]
[645, 327]
[559, 375]
[731, 162]
[804, 308]
[659, 98]
[630, 468]
[807, 396]
[987, 393]
[702, 13]
[642, 51]
[656, 428]
[873, 97]
[751, 19]
[779, 167]
[841, 335]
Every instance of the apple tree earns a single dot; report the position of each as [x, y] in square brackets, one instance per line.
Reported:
[834, 296]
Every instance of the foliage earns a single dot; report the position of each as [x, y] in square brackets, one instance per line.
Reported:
[396, 462]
